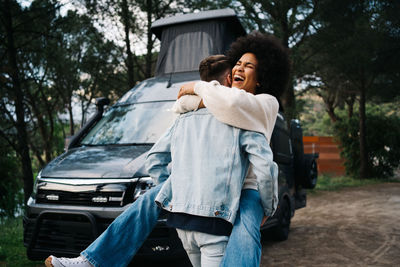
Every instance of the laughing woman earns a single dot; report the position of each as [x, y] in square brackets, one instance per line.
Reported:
[261, 71]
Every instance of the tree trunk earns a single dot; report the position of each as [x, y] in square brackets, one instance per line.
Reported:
[50, 142]
[350, 104]
[38, 157]
[288, 101]
[149, 55]
[363, 137]
[23, 149]
[62, 127]
[82, 113]
[71, 118]
[127, 28]
[47, 136]
[331, 113]
[288, 98]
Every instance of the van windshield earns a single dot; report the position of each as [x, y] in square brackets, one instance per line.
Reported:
[140, 123]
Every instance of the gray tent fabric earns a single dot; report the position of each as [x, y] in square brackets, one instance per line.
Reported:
[226, 14]
[183, 46]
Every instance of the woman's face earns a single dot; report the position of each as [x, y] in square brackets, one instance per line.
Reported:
[244, 73]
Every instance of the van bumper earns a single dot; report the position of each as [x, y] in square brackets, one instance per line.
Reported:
[67, 231]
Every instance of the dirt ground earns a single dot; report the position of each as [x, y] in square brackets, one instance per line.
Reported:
[350, 227]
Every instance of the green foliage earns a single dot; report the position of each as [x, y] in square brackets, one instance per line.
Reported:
[84, 64]
[354, 57]
[11, 195]
[383, 143]
[314, 120]
[12, 250]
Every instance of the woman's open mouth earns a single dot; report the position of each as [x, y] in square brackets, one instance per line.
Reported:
[237, 81]
[238, 78]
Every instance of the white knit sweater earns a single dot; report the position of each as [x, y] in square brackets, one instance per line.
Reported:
[234, 107]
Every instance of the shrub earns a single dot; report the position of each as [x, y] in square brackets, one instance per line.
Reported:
[11, 194]
[383, 143]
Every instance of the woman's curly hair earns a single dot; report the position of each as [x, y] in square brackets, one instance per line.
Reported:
[273, 61]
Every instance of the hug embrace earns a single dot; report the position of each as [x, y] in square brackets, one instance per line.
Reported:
[213, 167]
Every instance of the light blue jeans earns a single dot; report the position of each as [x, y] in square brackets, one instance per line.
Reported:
[203, 249]
[118, 244]
[244, 245]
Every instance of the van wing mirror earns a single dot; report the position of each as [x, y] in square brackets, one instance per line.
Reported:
[100, 103]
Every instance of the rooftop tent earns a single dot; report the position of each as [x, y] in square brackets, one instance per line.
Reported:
[187, 39]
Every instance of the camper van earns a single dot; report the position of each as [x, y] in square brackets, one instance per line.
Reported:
[101, 173]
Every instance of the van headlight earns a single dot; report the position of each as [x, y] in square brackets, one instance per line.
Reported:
[142, 186]
[35, 184]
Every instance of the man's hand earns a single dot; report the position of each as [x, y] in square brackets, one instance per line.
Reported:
[186, 89]
[264, 220]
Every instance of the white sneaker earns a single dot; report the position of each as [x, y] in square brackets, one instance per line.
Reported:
[80, 261]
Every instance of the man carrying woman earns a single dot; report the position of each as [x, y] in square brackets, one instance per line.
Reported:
[209, 161]
[118, 244]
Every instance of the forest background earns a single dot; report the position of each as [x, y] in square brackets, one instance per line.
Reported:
[58, 56]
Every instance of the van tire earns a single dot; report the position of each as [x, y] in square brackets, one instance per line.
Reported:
[310, 175]
[280, 232]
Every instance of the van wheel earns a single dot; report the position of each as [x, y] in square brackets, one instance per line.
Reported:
[281, 231]
[310, 172]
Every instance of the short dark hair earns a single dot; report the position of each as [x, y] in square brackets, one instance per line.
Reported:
[214, 68]
[273, 61]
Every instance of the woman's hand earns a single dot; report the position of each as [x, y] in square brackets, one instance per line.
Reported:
[187, 89]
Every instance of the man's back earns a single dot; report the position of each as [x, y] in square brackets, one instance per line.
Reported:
[208, 165]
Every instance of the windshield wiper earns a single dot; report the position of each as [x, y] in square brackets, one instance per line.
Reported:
[89, 145]
[124, 144]
[131, 144]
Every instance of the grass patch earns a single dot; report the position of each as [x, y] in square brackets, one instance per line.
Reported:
[12, 250]
[331, 183]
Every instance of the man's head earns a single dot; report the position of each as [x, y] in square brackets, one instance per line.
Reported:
[216, 67]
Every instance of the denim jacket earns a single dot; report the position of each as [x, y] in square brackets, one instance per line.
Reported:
[209, 161]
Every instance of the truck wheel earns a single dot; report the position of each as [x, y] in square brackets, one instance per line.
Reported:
[281, 231]
[310, 172]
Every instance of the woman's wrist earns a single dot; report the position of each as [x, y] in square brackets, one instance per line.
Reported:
[187, 89]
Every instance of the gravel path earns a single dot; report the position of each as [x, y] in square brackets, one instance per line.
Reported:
[351, 227]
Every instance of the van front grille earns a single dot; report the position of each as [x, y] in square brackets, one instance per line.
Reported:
[103, 199]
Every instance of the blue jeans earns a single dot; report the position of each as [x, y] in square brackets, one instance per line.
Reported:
[118, 244]
[244, 245]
